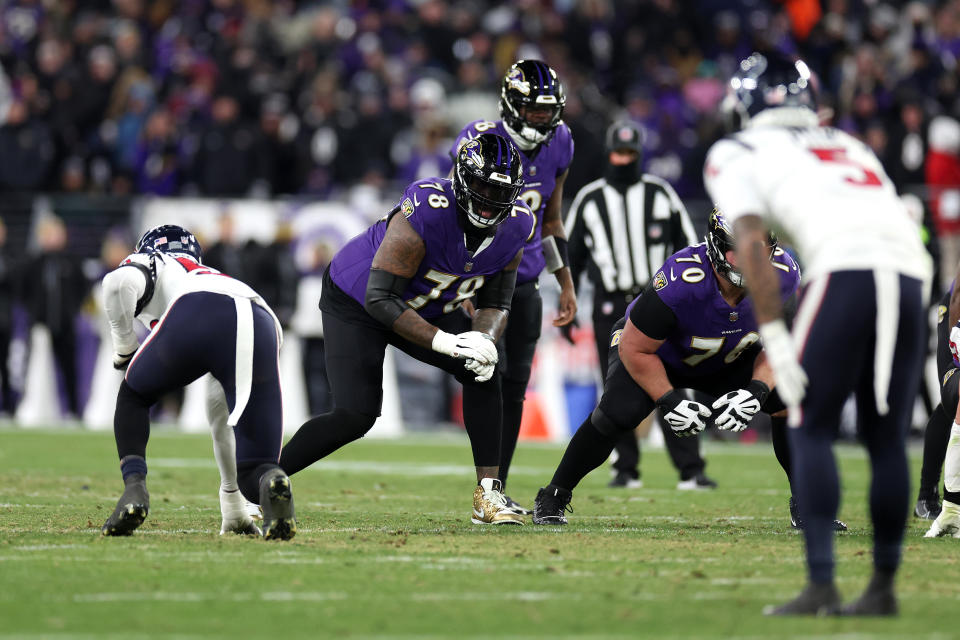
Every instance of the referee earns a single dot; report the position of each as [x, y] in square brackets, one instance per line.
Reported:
[621, 229]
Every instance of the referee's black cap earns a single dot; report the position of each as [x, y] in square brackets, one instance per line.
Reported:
[624, 135]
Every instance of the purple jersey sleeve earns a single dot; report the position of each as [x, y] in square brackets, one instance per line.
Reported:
[448, 274]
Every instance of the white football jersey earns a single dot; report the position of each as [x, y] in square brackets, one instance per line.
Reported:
[824, 191]
[127, 287]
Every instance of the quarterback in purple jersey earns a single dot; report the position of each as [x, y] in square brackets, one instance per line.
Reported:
[402, 282]
[531, 106]
[691, 334]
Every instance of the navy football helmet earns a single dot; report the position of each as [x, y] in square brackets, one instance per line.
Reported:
[170, 238]
[720, 240]
[531, 101]
[487, 179]
[768, 81]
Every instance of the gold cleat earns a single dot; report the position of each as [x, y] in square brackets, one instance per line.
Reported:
[490, 505]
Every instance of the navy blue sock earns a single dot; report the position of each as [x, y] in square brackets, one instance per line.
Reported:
[889, 501]
[816, 486]
[131, 465]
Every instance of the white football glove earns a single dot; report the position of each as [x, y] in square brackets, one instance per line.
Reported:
[467, 345]
[738, 407]
[236, 518]
[484, 371]
[791, 380]
[685, 417]
[121, 361]
[954, 341]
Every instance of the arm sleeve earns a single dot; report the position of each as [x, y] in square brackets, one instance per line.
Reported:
[651, 315]
[497, 291]
[122, 287]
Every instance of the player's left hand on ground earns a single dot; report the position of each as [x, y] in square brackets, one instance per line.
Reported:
[791, 379]
[121, 361]
[737, 408]
[566, 308]
[484, 371]
[244, 526]
[947, 523]
[685, 417]
[235, 517]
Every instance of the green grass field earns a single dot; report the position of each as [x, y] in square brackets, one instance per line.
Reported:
[385, 549]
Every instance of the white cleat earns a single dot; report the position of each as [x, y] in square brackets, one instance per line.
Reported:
[947, 523]
[235, 514]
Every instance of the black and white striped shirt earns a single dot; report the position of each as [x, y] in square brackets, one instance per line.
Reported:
[620, 237]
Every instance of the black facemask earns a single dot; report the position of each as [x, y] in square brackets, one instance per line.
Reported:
[623, 175]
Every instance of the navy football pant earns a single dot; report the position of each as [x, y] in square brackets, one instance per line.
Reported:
[198, 335]
[856, 332]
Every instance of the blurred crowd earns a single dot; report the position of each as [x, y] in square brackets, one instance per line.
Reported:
[253, 97]
[260, 98]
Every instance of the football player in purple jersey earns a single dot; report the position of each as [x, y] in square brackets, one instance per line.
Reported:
[690, 338]
[531, 106]
[402, 282]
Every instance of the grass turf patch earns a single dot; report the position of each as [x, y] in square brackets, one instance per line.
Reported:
[385, 549]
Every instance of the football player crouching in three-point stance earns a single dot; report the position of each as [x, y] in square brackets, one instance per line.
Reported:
[402, 282]
[692, 329]
[201, 321]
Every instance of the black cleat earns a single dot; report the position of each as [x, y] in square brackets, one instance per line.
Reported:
[878, 599]
[550, 504]
[814, 600]
[132, 508]
[928, 508]
[625, 480]
[699, 482]
[797, 523]
[276, 500]
[517, 508]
